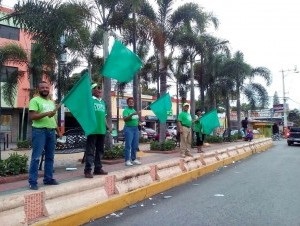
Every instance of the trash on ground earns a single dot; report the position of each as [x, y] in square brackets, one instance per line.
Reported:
[167, 196]
[219, 195]
[71, 168]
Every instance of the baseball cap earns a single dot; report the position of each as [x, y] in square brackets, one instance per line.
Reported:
[94, 85]
[186, 104]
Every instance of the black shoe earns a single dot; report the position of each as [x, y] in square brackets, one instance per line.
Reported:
[33, 187]
[88, 175]
[51, 182]
[100, 172]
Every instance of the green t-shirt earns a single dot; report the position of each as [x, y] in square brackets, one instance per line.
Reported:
[134, 121]
[185, 118]
[198, 125]
[100, 112]
[41, 105]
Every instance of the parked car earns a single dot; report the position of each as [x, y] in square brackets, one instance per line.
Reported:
[168, 136]
[151, 133]
[293, 136]
[172, 130]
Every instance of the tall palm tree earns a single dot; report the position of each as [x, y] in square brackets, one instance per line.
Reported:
[243, 74]
[164, 29]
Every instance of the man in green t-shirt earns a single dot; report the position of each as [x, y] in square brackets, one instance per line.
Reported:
[95, 142]
[42, 111]
[184, 123]
[131, 133]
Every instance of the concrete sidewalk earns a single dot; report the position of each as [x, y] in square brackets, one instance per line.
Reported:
[76, 199]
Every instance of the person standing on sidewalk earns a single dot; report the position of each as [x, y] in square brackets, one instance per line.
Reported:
[95, 142]
[184, 124]
[41, 111]
[245, 125]
[131, 133]
[198, 130]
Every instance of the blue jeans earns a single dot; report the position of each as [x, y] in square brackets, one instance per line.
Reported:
[131, 134]
[42, 140]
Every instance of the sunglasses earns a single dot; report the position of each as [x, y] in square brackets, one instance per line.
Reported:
[97, 87]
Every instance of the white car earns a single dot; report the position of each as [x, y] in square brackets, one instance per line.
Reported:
[172, 130]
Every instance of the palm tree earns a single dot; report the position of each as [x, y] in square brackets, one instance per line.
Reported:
[11, 53]
[243, 74]
[163, 31]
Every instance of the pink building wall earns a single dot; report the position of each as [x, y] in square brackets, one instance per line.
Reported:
[22, 98]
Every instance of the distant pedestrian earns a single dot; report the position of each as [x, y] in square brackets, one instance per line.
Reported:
[95, 142]
[198, 128]
[184, 124]
[245, 125]
[131, 133]
[42, 111]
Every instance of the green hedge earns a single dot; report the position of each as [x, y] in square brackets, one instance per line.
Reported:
[167, 145]
[116, 152]
[15, 164]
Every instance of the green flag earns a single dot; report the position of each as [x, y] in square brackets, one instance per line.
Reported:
[210, 121]
[121, 64]
[79, 102]
[161, 107]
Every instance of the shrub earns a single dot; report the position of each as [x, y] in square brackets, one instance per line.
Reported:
[23, 144]
[143, 140]
[213, 139]
[116, 152]
[167, 145]
[15, 164]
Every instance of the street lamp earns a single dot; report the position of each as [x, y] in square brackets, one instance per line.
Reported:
[284, 98]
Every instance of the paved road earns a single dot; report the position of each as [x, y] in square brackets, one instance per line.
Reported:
[261, 190]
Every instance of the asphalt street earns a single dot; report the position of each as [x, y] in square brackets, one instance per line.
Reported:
[260, 190]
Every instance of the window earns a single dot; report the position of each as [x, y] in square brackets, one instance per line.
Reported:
[7, 71]
[9, 32]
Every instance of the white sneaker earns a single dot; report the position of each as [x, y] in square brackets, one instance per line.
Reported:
[128, 163]
[136, 162]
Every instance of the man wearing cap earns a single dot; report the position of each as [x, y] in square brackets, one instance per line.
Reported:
[199, 130]
[184, 123]
[95, 142]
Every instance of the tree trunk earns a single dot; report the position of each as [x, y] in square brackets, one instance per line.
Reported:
[163, 90]
[238, 109]
[107, 94]
[228, 115]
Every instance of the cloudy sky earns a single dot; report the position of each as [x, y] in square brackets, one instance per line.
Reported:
[266, 31]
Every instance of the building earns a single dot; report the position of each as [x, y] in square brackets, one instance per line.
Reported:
[11, 118]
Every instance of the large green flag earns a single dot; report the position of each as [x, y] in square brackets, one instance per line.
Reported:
[121, 64]
[161, 107]
[79, 102]
[210, 121]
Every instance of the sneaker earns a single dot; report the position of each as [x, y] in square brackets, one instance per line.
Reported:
[33, 187]
[88, 175]
[136, 162]
[100, 172]
[51, 182]
[128, 163]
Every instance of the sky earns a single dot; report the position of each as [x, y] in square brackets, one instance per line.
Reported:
[265, 31]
